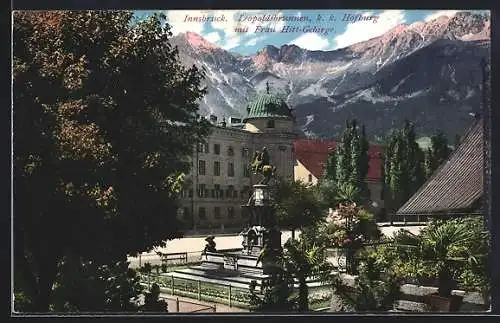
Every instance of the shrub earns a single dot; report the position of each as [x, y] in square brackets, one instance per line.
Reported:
[454, 252]
[370, 291]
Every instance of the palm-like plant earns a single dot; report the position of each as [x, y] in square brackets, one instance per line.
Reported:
[370, 292]
[348, 193]
[304, 259]
[444, 248]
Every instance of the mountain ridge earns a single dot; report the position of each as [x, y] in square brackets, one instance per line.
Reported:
[426, 63]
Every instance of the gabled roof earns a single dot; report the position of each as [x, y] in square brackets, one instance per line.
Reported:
[457, 183]
[313, 154]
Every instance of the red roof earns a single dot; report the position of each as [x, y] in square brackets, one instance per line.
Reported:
[314, 153]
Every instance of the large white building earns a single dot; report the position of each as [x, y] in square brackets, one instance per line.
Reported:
[220, 180]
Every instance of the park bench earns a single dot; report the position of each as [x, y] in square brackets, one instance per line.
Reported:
[176, 256]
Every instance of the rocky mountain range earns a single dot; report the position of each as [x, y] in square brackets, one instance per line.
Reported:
[427, 72]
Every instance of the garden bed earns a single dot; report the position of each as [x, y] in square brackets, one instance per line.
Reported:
[319, 297]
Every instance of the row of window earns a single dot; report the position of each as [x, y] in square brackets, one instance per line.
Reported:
[217, 192]
[204, 148]
[202, 169]
[217, 212]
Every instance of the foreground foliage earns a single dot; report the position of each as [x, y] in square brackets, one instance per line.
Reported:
[453, 252]
[86, 286]
[303, 260]
[105, 117]
[371, 292]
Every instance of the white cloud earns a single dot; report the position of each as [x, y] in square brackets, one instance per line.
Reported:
[439, 13]
[311, 41]
[364, 30]
[212, 37]
[253, 41]
[232, 42]
[176, 18]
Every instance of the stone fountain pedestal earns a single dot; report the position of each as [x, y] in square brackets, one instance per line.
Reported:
[236, 267]
[239, 267]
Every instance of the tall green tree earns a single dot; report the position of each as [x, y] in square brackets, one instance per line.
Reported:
[364, 162]
[413, 159]
[437, 153]
[349, 162]
[403, 166]
[297, 205]
[104, 120]
[331, 164]
[397, 184]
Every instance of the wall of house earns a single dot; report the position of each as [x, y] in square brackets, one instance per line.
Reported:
[221, 209]
[301, 173]
[234, 148]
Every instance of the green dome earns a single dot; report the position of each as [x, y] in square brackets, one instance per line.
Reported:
[268, 106]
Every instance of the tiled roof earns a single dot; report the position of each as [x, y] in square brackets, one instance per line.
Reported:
[313, 155]
[457, 183]
[268, 105]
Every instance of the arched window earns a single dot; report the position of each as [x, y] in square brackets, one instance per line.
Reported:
[270, 124]
[310, 178]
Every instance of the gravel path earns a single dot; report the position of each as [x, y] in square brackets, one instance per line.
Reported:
[194, 245]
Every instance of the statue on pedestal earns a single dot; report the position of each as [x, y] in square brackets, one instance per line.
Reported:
[261, 238]
[210, 246]
[261, 165]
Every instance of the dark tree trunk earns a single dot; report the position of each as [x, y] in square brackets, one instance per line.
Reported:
[303, 295]
[293, 234]
[352, 267]
[445, 283]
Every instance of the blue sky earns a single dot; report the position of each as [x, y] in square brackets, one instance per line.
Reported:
[328, 33]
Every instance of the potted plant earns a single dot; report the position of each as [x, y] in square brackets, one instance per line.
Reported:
[443, 250]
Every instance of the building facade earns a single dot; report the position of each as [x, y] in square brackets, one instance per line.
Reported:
[220, 180]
